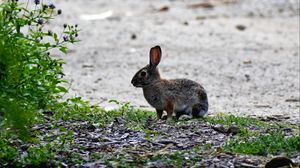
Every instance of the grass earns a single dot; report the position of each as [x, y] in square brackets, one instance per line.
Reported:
[268, 138]
[272, 143]
[222, 118]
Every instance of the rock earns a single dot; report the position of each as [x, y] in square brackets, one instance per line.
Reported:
[240, 27]
[87, 66]
[207, 5]
[164, 9]
[247, 61]
[280, 162]
[219, 128]
[247, 77]
[292, 100]
[233, 130]
[133, 36]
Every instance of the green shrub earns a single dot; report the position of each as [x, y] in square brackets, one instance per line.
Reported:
[7, 153]
[37, 156]
[30, 78]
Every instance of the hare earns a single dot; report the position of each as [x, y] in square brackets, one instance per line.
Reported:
[181, 96]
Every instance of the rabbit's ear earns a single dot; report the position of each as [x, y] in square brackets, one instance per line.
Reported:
[155, 55]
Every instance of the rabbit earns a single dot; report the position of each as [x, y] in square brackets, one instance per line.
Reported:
[179, 96]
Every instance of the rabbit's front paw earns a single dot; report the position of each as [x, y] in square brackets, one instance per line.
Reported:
[184, 118]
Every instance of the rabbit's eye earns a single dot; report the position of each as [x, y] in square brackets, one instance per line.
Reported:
[143, 74]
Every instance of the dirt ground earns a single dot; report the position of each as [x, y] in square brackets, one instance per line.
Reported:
[245, 53]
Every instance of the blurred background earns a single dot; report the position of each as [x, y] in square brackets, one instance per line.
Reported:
[244, 52]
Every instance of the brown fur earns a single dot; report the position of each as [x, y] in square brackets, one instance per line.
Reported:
[169, 108]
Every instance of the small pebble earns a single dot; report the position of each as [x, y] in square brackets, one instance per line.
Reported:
[133, 36]
[240, 27]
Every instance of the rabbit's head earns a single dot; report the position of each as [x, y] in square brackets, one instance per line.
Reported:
[149, 74]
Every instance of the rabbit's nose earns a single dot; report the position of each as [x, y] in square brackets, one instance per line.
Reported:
[133, 81]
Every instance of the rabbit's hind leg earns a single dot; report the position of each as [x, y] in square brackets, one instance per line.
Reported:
[181, 110]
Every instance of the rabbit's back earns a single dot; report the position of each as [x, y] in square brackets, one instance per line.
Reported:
[185, 91]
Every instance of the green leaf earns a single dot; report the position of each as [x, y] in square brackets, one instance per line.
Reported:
[62, 89]
[47, 45]
[63, 49]
[55, 37]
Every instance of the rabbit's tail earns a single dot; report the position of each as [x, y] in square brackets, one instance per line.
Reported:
[199, 110]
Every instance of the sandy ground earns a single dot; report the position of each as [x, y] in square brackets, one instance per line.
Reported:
[254, 71]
